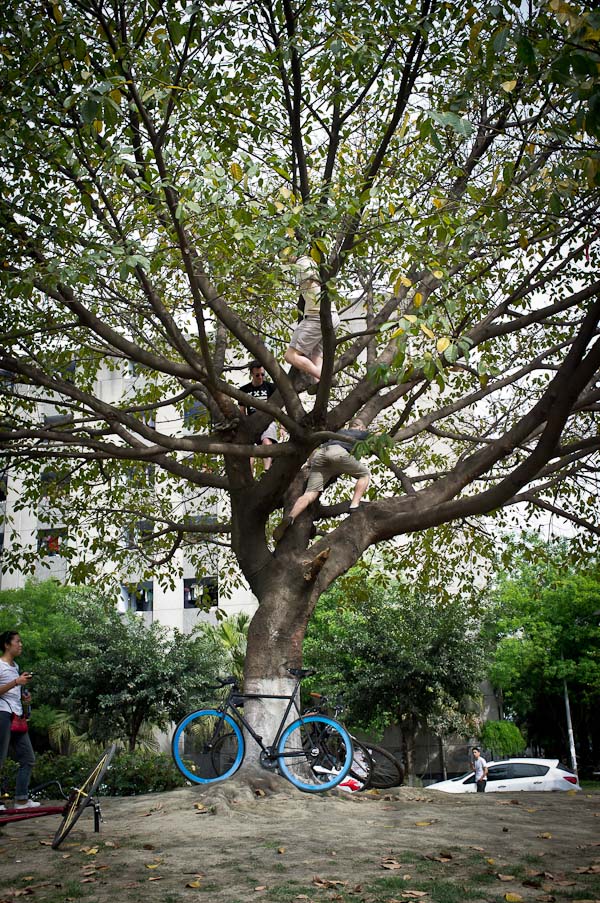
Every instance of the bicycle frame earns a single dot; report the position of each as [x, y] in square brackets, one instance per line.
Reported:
[235, 698]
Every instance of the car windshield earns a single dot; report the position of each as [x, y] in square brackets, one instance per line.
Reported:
[463, 776]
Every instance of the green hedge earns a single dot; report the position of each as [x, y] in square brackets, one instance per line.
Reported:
[128, 775]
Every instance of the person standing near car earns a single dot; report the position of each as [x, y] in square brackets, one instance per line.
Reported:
[480, 768]
[13, 693]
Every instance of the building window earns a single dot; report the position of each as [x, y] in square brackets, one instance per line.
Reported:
[138, 596]
[51, 542]
[201, 592]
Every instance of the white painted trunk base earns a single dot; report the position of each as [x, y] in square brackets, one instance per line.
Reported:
[265, 714]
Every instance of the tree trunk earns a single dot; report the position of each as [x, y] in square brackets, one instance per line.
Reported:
[275, 639]
[409, 729]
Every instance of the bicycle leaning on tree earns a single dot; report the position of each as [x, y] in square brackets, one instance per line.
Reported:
[313, 752]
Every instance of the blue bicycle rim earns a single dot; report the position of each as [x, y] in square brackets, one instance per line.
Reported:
[192, 776]
[335, 779]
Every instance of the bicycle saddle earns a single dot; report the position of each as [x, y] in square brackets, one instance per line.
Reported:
[301, 672]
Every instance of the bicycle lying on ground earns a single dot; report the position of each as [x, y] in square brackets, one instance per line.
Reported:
[314, 752]
[79, 799]
[372, 765]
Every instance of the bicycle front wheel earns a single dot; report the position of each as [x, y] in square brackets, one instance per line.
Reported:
[315, 753]
[207, 746]
[82, 797]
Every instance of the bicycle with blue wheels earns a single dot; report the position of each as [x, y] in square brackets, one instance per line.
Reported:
[313, 752]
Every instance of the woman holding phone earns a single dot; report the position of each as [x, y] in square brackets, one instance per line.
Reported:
[13, 693]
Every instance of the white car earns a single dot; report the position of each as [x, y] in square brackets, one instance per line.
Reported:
[512, 775]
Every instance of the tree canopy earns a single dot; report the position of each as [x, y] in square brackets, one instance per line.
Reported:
[110, 672]
[163, 162]
[396, 655]
[546, 616]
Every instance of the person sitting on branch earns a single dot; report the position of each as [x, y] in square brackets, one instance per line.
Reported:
[305, 351]
[259, 387]
[329, 460]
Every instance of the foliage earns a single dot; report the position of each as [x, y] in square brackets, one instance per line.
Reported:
[110, 672]
[547, 626]
[123, 673]
[395, 656]
[46, 616]
[231, 635]
[503, 738]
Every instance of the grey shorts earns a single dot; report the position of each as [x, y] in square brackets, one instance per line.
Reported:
[306, 337]
[270, 432]
[330, 462]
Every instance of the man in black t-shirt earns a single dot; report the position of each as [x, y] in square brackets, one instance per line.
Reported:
[259, 387]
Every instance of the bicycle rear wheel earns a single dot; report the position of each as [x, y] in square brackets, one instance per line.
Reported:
[387, 770]
[362, 764]
[315, 753]
[207, 746]
[81, 797]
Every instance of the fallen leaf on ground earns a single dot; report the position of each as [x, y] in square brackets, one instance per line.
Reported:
[413, 894]
[505, 877]
[513, 898]
[546, 898]
[261, 887]
[259, 792]
[325, 882]
[155, 878]
[152, 865]
[194, 884]
[89, 851]
[545, 836]
[425, 824]
[588, 870]
[281, 850]
[491, 861]
[45, 843]
[390, 864]
[109, 843]
[200, 807]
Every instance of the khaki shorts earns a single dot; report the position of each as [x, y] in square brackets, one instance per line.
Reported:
[306, 337]
[331, 461]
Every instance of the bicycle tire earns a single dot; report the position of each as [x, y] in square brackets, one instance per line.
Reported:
[362, 766]
[314, 753]
[204, 751]
[387, 770]
[81, 797]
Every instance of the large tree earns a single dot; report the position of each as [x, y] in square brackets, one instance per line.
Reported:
[162, 162]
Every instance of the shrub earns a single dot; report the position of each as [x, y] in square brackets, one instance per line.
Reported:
[503, 738]
[130, 773]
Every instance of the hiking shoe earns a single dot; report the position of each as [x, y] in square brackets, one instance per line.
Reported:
[30, 804]
[281, 527]
[223, 426]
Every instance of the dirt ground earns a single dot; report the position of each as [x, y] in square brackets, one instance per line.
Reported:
[235, 843]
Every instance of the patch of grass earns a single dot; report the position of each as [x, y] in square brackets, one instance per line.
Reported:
[290, 890]
[70, 889]
[273, 844]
